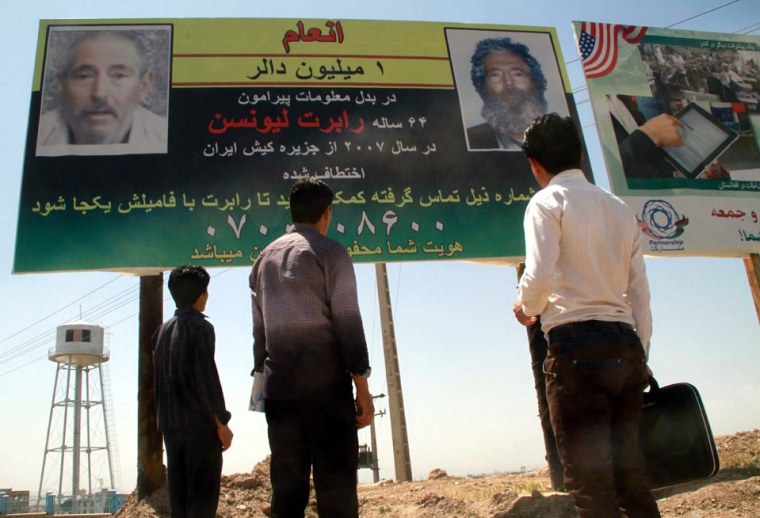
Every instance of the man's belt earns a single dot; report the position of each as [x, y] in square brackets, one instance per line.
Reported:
[575, 329]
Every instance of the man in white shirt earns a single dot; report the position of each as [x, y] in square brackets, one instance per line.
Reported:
[103, 84]
[584, 275]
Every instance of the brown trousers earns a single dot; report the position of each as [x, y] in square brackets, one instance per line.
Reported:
[595, 376]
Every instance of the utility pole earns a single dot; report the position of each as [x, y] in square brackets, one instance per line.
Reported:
[373, 443]
[401, 460]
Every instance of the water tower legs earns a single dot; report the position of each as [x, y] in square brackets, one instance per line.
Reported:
[73, 432]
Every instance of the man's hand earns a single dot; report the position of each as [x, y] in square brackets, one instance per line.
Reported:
[365, 408]
[522, 317]
[225, 435]
[664, 130]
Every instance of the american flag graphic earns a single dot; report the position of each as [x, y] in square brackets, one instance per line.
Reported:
[598, 45]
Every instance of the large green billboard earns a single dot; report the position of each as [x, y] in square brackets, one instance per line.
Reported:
[190, 157]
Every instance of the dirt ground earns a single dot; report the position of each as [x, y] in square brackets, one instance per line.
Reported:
[733, 492]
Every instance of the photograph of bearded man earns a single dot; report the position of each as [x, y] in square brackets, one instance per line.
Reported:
[512, 85]
[504, 79]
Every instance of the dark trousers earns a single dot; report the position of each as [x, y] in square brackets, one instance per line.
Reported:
[539, 348]
[596, 374]
[318, 431]
[194, 458]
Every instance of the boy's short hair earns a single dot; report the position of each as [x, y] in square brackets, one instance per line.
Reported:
[553, 141]
[309, 198]
[187, 282]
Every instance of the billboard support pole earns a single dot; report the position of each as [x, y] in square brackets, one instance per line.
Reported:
[400, 439]
[538, 348]
[752, 265]
[150, 454]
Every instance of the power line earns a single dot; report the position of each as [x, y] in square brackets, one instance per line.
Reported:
[22, 366]
[755, 26]
[28, 346]
[749, 29]
[702, 14]
[582, 88]
[100, 310]
[59, 310]
[40, 340]
[682, 21]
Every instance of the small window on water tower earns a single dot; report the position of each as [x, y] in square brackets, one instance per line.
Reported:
[77, 335]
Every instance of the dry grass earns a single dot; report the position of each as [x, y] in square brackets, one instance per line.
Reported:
[740, 452]
[745, 461]
[475, 494]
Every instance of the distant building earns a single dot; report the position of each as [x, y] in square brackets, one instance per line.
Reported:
[13, 502]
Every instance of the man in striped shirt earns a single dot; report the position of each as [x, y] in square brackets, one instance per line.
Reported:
[309, 345]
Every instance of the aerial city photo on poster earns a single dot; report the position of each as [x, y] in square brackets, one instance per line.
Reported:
[678, 116]
[208, 123]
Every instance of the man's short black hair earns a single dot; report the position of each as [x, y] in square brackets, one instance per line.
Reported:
[553, 142]
[187, 282]
[309, 198]
[503, 45]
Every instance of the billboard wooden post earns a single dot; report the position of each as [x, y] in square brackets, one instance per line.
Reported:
[538, 348]
[150, 454]
[752, 265]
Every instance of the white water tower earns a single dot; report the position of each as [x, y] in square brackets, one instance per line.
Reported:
[78, 440]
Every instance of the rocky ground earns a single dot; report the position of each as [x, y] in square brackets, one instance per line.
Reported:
[733, 492]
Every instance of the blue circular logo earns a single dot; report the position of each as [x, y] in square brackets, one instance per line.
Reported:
[660, 220]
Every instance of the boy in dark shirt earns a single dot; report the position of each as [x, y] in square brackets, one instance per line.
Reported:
[189, 400]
